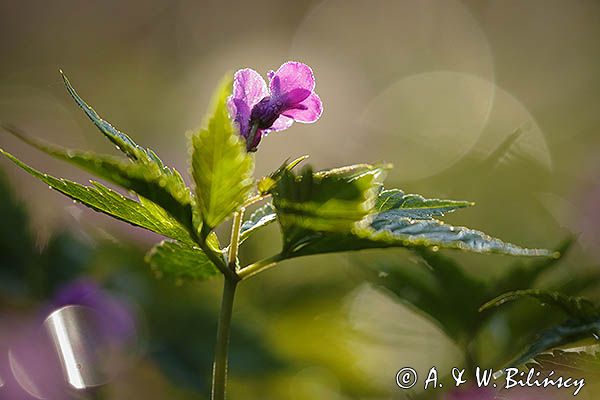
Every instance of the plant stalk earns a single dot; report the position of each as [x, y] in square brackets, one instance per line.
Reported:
[219, 379]
[235, 239]
[259, 266]
[216, 258]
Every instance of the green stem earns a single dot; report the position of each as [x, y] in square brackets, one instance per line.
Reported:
[255, 199]
[235, 238]
[218, 261]
[219, 380]
[259, 266]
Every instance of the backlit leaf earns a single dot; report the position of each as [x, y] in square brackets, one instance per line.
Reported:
[263, 216]
[144, 213]
[145, 174]
[180, 262]
[221, 167]
[416, 206]
[328, 201]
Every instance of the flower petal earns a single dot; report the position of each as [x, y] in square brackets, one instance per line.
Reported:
[307, 111]
[240, 113]
[294, 97]
[249, 87]
[280, 124]
[292, 75]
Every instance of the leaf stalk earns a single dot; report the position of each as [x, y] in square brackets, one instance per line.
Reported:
[259, 266]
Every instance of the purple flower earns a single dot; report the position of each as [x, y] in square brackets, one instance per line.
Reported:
[258, 110]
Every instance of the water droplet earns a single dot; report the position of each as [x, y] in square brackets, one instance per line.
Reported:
[435, 248]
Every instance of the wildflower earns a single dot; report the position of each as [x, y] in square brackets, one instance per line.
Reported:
[258, 110]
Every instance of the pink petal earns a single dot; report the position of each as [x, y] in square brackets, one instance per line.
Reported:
[294, 97]
[240, 113]
[307, 111]
[280, 124]
[292, 75]
[249, 87]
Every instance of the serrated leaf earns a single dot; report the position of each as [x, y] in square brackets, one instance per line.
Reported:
[415, 206]
[180, 262]
[574, 363]
[387, 227]
[583, 320]
[124, 143]
[576, 307]
[266, 184]
[147, 182]
[328, 201]
[221, 167]
[560, 335]
[386, 230]
[263, 216]
[120, 139]
[146, 174]
[144, 213]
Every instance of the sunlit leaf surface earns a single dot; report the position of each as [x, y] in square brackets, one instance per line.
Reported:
[221, 167]
[178, 262]
[143, 213]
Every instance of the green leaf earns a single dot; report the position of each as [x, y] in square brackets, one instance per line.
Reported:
[180, 262]
[263, 216]
[416, 206]
[570, 331]
[437, 287]
[571, 363]
[576, 307]
[583, 320]
[386, 230]
[120, 139]
[144, 213]
[387, 227]
[145, 175]
[267, 184]
[221, 168]
[328, 201]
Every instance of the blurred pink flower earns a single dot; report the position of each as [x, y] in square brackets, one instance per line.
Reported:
[470, 393]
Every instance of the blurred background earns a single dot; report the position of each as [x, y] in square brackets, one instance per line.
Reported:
[490, 101]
